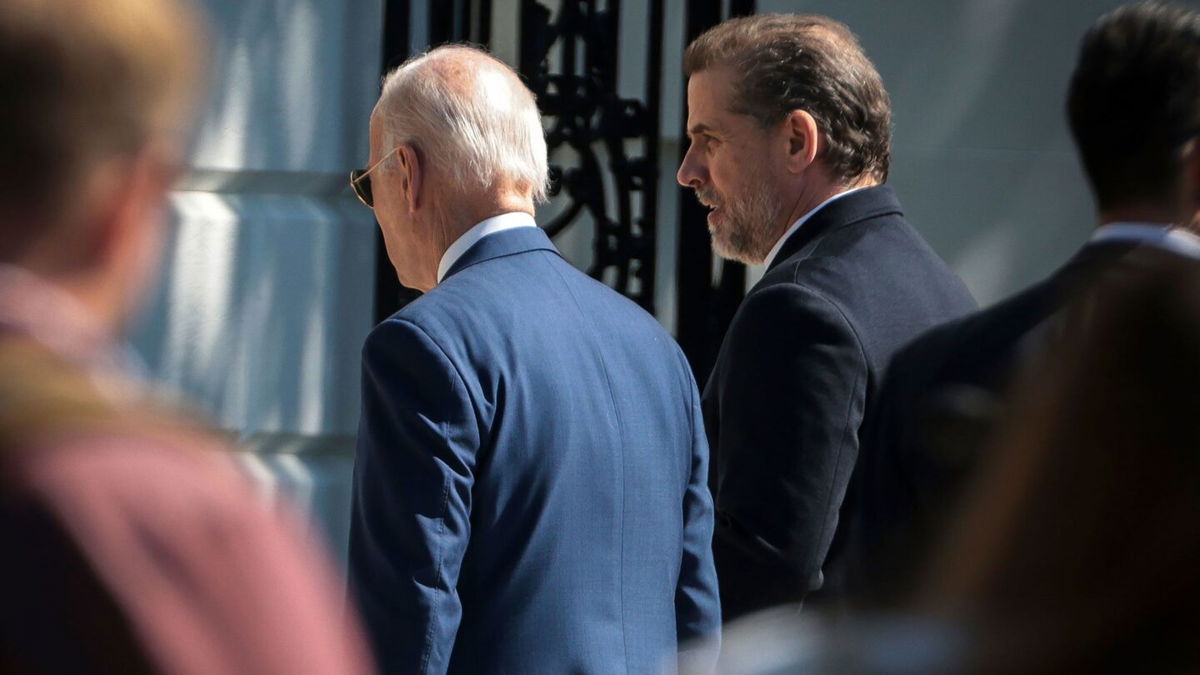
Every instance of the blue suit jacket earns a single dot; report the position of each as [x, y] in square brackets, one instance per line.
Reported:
[530, 484]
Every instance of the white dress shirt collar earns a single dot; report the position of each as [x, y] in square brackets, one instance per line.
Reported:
[500, 223]
[796, 225]
[1159, 235]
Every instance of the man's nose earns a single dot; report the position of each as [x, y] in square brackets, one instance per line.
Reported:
[690, 173]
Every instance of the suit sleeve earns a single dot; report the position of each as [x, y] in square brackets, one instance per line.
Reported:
[697, 602]
[786, 403]
[410, 520]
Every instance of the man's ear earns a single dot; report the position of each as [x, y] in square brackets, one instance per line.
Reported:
[120, 244]
[412, 176]
[803, 138]
[126, 196]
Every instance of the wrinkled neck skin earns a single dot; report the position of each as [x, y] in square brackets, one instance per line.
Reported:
[452, 215]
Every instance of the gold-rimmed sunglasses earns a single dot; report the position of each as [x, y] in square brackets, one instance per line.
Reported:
[360, 181]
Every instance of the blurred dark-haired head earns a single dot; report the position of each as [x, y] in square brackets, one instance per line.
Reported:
[1134, 104]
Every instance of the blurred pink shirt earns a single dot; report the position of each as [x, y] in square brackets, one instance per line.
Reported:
[207, 579]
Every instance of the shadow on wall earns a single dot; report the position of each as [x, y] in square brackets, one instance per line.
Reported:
[293, 82]
[266, 286]
[262, 309]
[314, 474]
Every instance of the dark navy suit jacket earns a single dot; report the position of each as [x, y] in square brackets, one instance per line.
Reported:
[938, 408]
[530, 485]
[788, 399]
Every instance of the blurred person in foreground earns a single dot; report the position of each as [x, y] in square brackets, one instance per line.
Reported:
[1077, 545]
[1134, 111]
[132, 544]
[530, 484]
[790, 131]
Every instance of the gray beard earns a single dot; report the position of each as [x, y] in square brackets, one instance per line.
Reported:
[749, 228]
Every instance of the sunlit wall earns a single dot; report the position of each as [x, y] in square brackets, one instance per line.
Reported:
[267, 284]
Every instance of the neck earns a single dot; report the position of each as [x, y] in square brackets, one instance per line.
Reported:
[62, 262]
[462, 215]
[470, 214]
[94, 296]
[814, 193]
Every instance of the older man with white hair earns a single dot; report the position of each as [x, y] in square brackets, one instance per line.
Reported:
[530, 486]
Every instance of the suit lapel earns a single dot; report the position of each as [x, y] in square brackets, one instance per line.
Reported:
[500, 244]
[866, 203]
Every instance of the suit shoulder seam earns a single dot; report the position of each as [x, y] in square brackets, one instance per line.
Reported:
[441, 350]
[810, 291]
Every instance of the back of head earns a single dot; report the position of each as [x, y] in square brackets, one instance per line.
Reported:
[470, 117]
[787, 62]
[82, 81]
[1134, 101]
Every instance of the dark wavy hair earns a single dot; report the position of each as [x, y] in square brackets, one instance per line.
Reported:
[787, 62]
[1135, 100]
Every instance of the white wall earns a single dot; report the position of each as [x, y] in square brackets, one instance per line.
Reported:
[267, 284]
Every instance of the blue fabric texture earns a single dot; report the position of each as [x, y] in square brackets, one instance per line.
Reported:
[530, 483]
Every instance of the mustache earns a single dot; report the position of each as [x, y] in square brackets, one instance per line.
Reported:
[707, 197]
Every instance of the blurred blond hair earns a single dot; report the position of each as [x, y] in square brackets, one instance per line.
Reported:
[84, 81]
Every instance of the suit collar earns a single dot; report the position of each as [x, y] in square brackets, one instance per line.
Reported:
[504, 221]
[1159, 235]
[500, 244]
[800, 222]
[1088, 263]
[850, 208]
[1102, 251]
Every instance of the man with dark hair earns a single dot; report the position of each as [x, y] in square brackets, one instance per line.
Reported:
[790, 143]
[131, 542]
[1134, 110]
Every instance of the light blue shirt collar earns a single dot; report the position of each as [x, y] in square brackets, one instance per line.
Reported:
[796, 225]
[500, 223]
[1159, 235]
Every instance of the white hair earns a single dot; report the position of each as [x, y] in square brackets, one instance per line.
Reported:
[471, 117]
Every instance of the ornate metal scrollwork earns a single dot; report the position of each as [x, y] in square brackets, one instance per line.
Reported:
[581, 99]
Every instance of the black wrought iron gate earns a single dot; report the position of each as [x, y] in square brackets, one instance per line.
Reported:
[614, 177]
